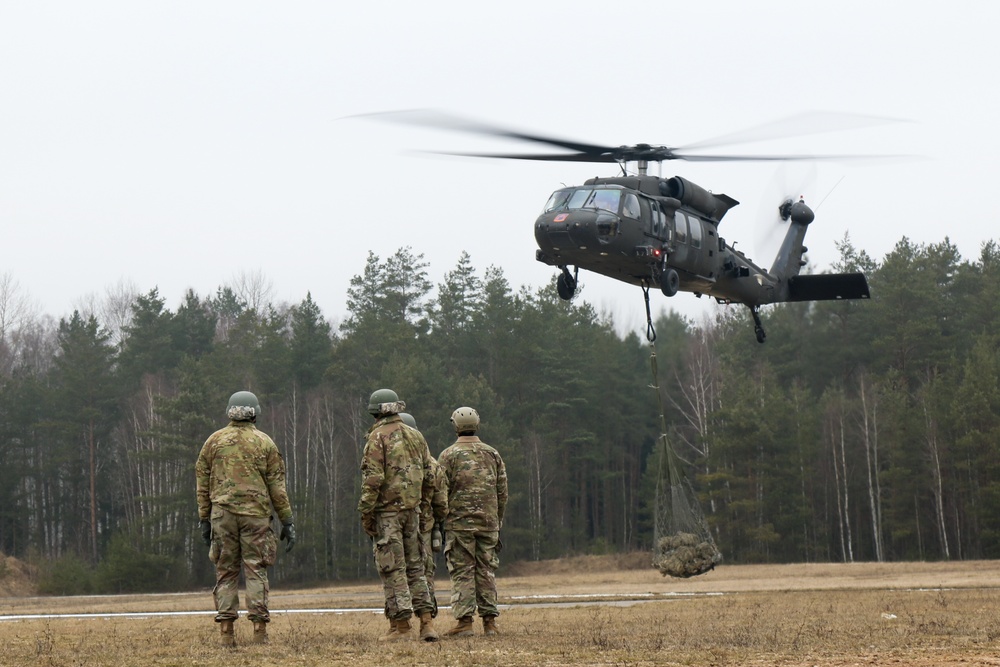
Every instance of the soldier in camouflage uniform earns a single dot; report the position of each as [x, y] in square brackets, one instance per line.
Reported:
[240, 481]
[397, 474]
[477, 498]
[432, 514]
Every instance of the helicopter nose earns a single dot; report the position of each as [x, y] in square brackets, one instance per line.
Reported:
[575, 229]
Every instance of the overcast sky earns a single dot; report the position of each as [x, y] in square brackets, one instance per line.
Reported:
[176, 145]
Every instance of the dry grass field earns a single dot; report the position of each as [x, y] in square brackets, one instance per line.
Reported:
[581, 611]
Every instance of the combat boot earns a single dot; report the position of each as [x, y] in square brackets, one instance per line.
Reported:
[427, 631]
[388, 637]
[259, 632]
[490, 628]
[463, 629]
[402, 630]
[228, 636]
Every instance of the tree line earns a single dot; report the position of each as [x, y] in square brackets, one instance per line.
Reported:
[860, 431]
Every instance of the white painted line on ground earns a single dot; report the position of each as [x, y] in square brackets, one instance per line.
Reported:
[669, 597]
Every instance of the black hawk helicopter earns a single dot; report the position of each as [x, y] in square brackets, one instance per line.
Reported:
[652, 231]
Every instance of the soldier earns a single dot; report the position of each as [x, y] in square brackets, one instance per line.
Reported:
[397, 474]
[432, 515]
[240, 481]
[477, 498]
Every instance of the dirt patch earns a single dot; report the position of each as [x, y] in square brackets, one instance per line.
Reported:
[787, 628]
[17, 578]
[636, 560]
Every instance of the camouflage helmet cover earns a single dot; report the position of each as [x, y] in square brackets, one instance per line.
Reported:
[243, 406]
[408, 419]
[465, 419]
[385, 402]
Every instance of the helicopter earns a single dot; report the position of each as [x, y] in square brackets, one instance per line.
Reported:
[651, 231]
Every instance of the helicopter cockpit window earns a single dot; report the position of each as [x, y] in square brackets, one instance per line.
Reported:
[680, 227]
[607, 200]
[579, 198]
[603, 199]
[631, 207]
[557, 200]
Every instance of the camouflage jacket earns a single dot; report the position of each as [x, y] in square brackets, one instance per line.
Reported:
[397, 469]
[477, 485]
[435, 508]
[240, 469]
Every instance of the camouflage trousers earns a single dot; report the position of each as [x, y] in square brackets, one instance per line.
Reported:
[400, 563]
[472, 559]
[430, 565]
[241, 540]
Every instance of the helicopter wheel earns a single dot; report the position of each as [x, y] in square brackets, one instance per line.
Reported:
[566, 285]
[669, 282]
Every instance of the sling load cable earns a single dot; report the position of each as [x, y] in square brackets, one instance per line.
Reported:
[666, 470]
[683, 543]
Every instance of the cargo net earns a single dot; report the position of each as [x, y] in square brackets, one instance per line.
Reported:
[683, 544]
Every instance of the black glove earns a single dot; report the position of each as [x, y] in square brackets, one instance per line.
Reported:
[288, 533]
[370, 525]
[206, 532]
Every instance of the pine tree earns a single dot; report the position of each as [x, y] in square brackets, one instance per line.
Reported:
[84, 399]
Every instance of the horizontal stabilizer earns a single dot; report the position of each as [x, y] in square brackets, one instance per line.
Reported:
[828, 287]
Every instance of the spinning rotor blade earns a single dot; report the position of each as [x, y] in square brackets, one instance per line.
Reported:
[808, 122]
[583, 152]
[546, 157]
[443, 121]
[692, 157]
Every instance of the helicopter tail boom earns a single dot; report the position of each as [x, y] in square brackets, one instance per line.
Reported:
[788, 263]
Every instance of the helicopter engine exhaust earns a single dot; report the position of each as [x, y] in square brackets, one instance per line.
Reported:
[708, 204]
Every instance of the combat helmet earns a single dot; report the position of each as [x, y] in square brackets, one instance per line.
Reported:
[408, 419]
[385, 402]
[243, 406]
[465, 420]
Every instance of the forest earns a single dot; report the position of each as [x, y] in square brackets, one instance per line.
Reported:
[862, 430]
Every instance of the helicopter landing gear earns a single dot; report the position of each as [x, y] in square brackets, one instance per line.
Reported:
[566, 283]
[758, 328]
[669, 282]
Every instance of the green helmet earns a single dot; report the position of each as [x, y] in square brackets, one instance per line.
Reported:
[243, 406]
[465, 419]
[385, 402]
[408, 419]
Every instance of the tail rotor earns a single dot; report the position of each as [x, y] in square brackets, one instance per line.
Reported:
[789, 185]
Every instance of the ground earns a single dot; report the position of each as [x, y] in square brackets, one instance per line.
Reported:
[16, 578]
[582, 611]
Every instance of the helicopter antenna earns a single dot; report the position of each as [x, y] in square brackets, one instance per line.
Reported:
[830, 192]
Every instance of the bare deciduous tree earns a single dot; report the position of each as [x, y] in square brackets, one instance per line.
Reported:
[16, 306]
[115, 311]
[253, 288]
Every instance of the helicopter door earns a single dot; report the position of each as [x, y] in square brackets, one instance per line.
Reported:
[681, 256]
[696, 240]
[658, 226]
